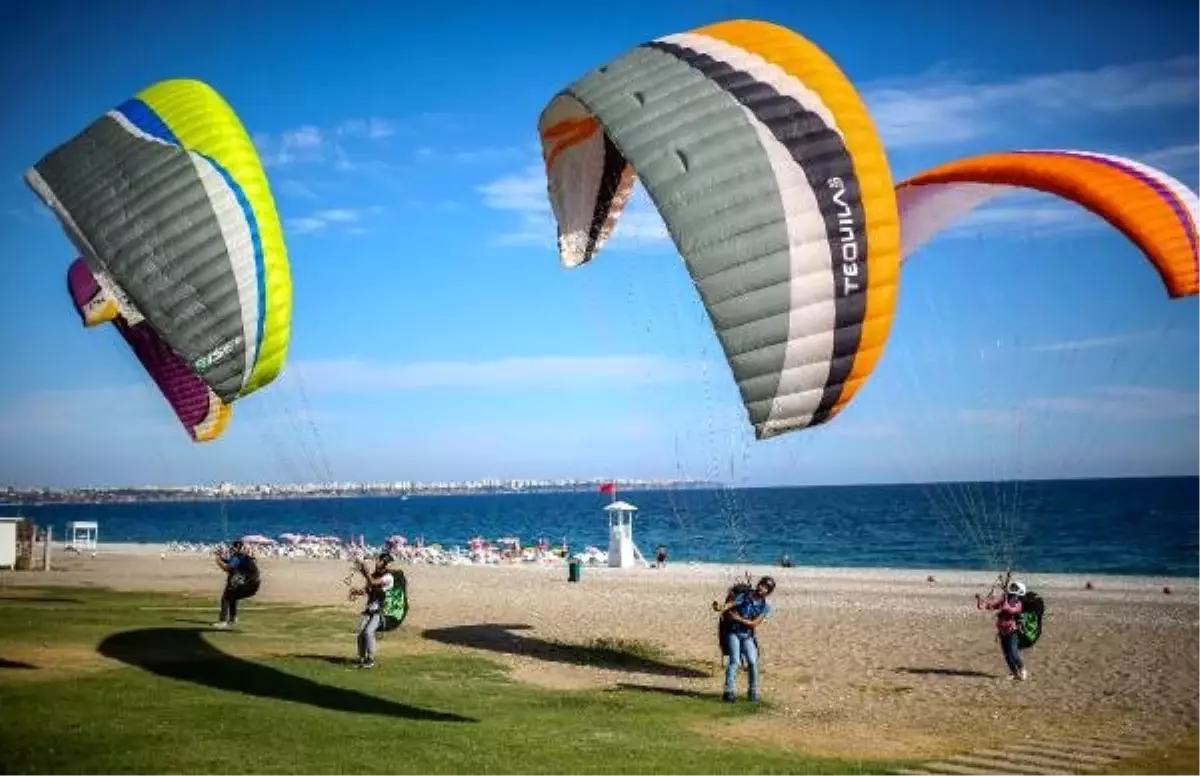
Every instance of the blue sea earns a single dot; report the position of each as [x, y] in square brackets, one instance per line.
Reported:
[1129, 526]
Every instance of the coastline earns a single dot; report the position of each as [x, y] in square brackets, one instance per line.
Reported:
[1182, 588]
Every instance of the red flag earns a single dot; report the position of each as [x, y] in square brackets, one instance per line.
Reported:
[608, 487]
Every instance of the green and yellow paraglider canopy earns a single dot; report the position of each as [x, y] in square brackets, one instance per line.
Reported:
[167, 202]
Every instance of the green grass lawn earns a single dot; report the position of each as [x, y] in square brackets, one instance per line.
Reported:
[93, 681]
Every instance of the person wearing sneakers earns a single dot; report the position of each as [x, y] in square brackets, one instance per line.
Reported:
[378, 582]
[241, 581]
[1008, 610]
[740, 615]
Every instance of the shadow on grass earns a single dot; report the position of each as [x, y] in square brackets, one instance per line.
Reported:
[497, 637]
[6, 663]
[184, 654]
[333, 660]
[967, 674]
[677, 692]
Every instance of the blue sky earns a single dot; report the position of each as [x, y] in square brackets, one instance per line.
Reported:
[435, 335]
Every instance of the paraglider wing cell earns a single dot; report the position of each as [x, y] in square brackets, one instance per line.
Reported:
[772, 182]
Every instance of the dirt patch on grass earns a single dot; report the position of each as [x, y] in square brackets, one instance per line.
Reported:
[48, 663]
[829, 734]
[556, 676]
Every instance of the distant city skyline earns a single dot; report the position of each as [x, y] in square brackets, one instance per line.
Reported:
[318, 489]
[435, 337]
[47, 494]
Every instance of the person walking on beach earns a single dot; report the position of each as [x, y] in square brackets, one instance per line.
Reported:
[377, 584]
[660, 557]
[741, 614]
[1008, 608]
[241, 581]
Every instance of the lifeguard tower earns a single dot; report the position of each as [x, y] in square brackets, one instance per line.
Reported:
[82, 534]
[622, 552]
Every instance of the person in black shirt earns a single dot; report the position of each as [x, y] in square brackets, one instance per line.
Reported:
[241, 581]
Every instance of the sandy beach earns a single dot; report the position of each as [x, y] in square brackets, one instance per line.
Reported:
[872, 662]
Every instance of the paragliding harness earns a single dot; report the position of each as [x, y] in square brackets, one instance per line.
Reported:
[725, 624]
[244, 581]
[1029, 621]
[395, 602]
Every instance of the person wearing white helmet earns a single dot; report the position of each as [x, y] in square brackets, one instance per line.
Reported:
[1008, 610]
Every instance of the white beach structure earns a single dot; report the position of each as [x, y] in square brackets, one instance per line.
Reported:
[82, 534]
[8, 542]
[622, 552]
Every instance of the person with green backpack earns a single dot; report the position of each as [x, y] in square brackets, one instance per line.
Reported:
[387, 605]
[1018, 623]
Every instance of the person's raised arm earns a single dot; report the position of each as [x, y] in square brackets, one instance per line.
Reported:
[987, 603]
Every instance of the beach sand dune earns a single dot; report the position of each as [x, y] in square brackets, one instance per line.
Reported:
[867, 662]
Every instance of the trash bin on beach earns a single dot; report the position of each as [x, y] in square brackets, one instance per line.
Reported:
[574, 569]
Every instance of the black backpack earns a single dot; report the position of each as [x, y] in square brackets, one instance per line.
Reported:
[725, 624]
[1030, 620]
[244, 582]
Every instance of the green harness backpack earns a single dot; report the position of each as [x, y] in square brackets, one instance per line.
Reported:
[395, 603]
[1030, 620]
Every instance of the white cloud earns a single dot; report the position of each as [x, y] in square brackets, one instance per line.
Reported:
[307, 225]
[939, 108]
[1176, 160]
[379, 169]
[294, 188]
[1111, 404]
[1027, 215]
[301, 145]
[306, 136]
[537, 372]
[122, 412]
[1125, 402]
[470, 156]
[524, 193]
[32, 213]
[310, 144]
[1092, 343]
[371, 129]
[320, 221]
[340, 215]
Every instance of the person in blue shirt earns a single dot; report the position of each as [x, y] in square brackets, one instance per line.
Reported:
[241, 581]
[741, 614]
